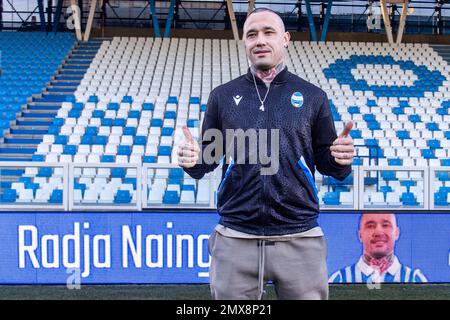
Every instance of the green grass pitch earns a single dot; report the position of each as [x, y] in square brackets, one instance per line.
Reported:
[201, 292]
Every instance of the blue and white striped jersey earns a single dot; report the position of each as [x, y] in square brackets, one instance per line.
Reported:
[361, 272]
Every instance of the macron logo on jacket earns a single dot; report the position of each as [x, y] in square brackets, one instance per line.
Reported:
[237, 99]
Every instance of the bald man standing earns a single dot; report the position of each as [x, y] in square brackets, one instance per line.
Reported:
[268, 230]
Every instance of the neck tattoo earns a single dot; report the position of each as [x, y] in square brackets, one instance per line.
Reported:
[381, 264]
[267, 76]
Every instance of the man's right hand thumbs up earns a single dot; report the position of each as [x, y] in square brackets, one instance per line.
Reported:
[188, 151]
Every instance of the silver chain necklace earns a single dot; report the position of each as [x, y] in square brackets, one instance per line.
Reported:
[259, 97]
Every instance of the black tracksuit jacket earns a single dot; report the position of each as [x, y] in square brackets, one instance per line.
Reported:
[286, 202]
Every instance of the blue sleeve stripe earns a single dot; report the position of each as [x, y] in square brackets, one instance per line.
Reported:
[309, 176]
[227, 173]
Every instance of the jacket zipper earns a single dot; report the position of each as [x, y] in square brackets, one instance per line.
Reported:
[264, 204]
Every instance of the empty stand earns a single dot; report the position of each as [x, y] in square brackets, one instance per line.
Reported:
[133, 95]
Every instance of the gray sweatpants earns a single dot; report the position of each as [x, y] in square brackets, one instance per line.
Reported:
[241, 267]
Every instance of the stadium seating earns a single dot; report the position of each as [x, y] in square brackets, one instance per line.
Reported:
[28, 62]
[130, 104]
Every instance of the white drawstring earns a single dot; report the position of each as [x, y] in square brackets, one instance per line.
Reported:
[261, 263]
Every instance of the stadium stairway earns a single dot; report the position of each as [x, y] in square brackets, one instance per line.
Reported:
[39, 116]
[443, 51]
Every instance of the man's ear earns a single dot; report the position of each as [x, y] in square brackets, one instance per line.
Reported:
[397, 233]
[287, 38]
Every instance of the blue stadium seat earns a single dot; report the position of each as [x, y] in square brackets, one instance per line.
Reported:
[25, 180]
[58, 122]
[9, 196]
[134, 114]
[32, 186]
[371, 142]
[61, 140]
[331, 198]
[93, 99]
[87, 139]
[188, 188]
[355, 134]
[172, 99]
[37, 158]
[74, 113]
[395, 162]
[107, 159]
[414, 118]
[398, 110]
[91, 131]
[113, 106]
[122, 197]
[53, 130]
[443, 175]
[192, 123]
[129, 131]
[194, 100]
[408, 199]
[403, 134]
[140, 140]
[45, 172]
[120, 122]
[442, 111]
[80, 186]
[170, 115]
[164, 151]
[357, 161]
[148, 106]
[56, 197]
[79, 106]
[369, 117]
[127, 99]
[434, 144]
[408, 184]
[98, 114]
[440, 199]
[171, 197]
[118, 172]
[149, 159]
[101, 140]
[70, 149]
[432, 126]
[124, 150]
[353, 110]
[389, 175]
[167, 132]
[156, 123]
[428, 154]
[376, 152]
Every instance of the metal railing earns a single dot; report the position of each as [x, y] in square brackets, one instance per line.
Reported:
[362, 177]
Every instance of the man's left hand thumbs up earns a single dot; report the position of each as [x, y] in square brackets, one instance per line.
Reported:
[342, 149]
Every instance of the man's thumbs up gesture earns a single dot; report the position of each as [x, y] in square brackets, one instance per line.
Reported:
[189, 151]
[342, 149]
